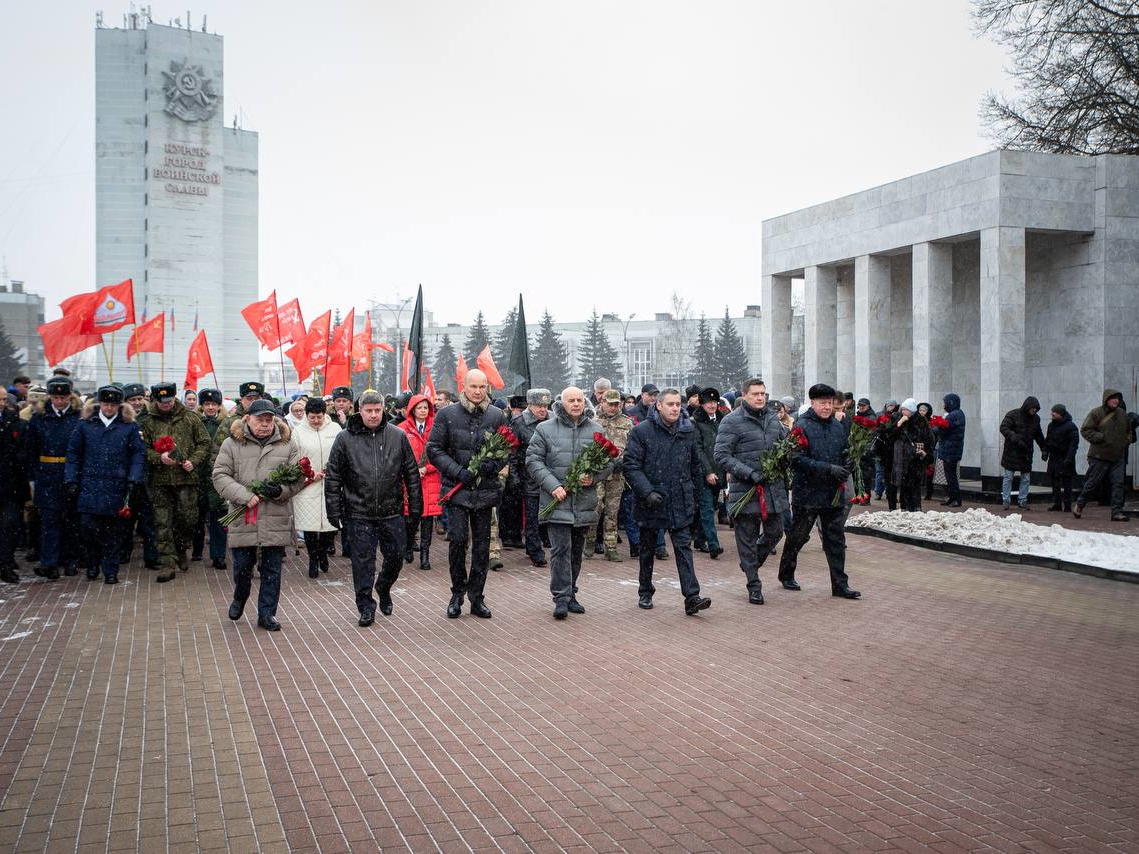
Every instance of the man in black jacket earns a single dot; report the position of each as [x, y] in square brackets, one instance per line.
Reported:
[819, 470]
[1060, 446]
[13, 485]
[369, 467]
[459, 432]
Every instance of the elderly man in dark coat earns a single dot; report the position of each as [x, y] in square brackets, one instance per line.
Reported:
[662, 467]
[1060, 446]
[1020, 427]
[744, 437]
[105, 460]
[818, 471]
[555, 445]
[1108, 431]
[458, 433]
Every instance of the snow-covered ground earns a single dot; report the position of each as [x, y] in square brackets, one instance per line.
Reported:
[978, 527]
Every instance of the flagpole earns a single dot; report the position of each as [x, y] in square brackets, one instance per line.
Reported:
[280, 345]
[106, 359]
[111, 364]
[137, 355]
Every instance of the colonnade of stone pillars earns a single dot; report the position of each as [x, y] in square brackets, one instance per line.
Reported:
[1002, 298]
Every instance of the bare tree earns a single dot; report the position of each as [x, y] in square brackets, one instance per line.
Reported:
[1076, 67]
[676, 343]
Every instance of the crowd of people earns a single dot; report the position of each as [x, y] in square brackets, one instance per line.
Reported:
[83, 480]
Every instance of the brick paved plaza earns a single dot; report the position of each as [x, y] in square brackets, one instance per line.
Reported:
[959, 705]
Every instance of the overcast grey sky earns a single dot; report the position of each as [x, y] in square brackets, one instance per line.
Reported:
[585, 153]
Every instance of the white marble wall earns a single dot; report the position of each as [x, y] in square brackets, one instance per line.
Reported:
[845, 311]
[901, 327]
[776, 322]
[820, 327]
[963, 330]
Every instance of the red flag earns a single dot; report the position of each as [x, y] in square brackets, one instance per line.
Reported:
[105, 310]
[291, 323]
[486, 364]
[198, 361]
[362, 347]
[312, 351]
[149, 337]
[62, 338]
[461, 373]
[428, 385]
[404, 380]
[338, 368]
[262, 319]
[386, 347]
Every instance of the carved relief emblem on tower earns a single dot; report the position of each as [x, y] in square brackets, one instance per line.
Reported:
[190, 95]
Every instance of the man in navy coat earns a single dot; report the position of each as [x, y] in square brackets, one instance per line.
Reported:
[105, 460]
[49, 432]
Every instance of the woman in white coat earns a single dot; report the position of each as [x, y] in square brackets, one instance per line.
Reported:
[314, 437]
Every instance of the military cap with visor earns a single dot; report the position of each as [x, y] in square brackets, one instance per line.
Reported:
[342, 391]
[209, 395]
[59, 385]
[251, 387]
[163, 391]
[134, 390]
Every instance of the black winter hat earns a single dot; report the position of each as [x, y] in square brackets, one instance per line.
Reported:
[59, 385]
[209, 395]
[110, 394]
[163, 391]
[1060, 408]
[134, 390]
[251, 387]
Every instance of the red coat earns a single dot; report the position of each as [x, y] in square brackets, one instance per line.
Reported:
[431, 505]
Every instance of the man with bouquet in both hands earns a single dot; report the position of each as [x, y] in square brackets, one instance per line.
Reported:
[369, 468]
[820, 470]
[258, 471]
[567, 456]
[462, 435]
[177, 444]
[744, 437]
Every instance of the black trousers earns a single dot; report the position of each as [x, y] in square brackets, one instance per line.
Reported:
[510, 517]
[831, 523]
[320, 545]
[104, 539]
[468, 527]
[363, 535]
[952, 484]
[755, 538]
[682, 551]
[534, 548]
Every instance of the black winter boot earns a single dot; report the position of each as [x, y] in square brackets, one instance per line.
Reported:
[425, 530]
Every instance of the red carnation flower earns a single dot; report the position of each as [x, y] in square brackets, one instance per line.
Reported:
[124, 512]
[599, 438]
[163, 444]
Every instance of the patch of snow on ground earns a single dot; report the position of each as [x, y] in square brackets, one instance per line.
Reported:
[978, 527]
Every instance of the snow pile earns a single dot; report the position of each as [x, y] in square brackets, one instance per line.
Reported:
[980, 528]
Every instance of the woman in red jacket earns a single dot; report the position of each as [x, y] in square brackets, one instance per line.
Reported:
[417, 425]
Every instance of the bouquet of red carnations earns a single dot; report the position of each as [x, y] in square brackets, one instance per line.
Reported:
[938, 422]
[775, 465]
[282, 475]
[861, 439]
[165, 445]
[497, 446]
[593, 458]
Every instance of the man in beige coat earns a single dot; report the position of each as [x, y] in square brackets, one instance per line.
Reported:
[257, 444]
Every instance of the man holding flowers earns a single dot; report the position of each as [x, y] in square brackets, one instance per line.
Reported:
[820, 469]
[258, 470]
[177, 444]
[567, 456]
[745, 437]
[459, 436]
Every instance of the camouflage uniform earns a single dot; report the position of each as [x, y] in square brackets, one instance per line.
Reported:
[609, 491]
[173, 491]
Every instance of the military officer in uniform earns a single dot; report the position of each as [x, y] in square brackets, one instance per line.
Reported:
[341, 405]
[134, 395]
[210, 506]
[48, 434]
[172, 477]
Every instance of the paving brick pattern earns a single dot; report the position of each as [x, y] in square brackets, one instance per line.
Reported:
[960, 705]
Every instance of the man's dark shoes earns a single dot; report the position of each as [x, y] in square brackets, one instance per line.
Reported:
[366, 619]
[599, 548]
[269, 624]
[539, 561]
[645, 600]
[662, 554]
[9, 575]
[323, 563]
[561, 610]
[92, 574]
[165, 575]
[113, 578]
[634, 550]
[51, 573]
[1024, 508]
[755, 597]
[715, 552]
[1055, 508]
[218, 564]
[408, 556]
[496, 564]
[575, 607]
[846, 593]
[455, 606]
[70, 570]
[956, 502]
[790, 584]
[479, 609]
[385, 604]
[695, 606]
[314, 570]
[1120, 517]
[236, 609]
[196, 557]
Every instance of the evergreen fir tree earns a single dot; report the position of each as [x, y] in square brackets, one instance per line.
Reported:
[705, 367]
[477, 338]
[730, 355]
[443, 369]
[596, 356]
[503, 341]
[10, 365]
[549, 360]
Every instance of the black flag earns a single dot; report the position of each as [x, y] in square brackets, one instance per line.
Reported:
[414, 369]
[517, 377]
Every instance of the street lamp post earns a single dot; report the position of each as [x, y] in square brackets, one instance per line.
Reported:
[627, 356]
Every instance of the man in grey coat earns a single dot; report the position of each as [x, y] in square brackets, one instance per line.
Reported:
[555, 445]
[744, 436]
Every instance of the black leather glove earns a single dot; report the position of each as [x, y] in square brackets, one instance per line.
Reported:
[271, 490]
[1044, 456]
[757, 477]
[334, 521]
[467, 477]
[838, 472]
[72, 491]
[654, 500]
[490, 468]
